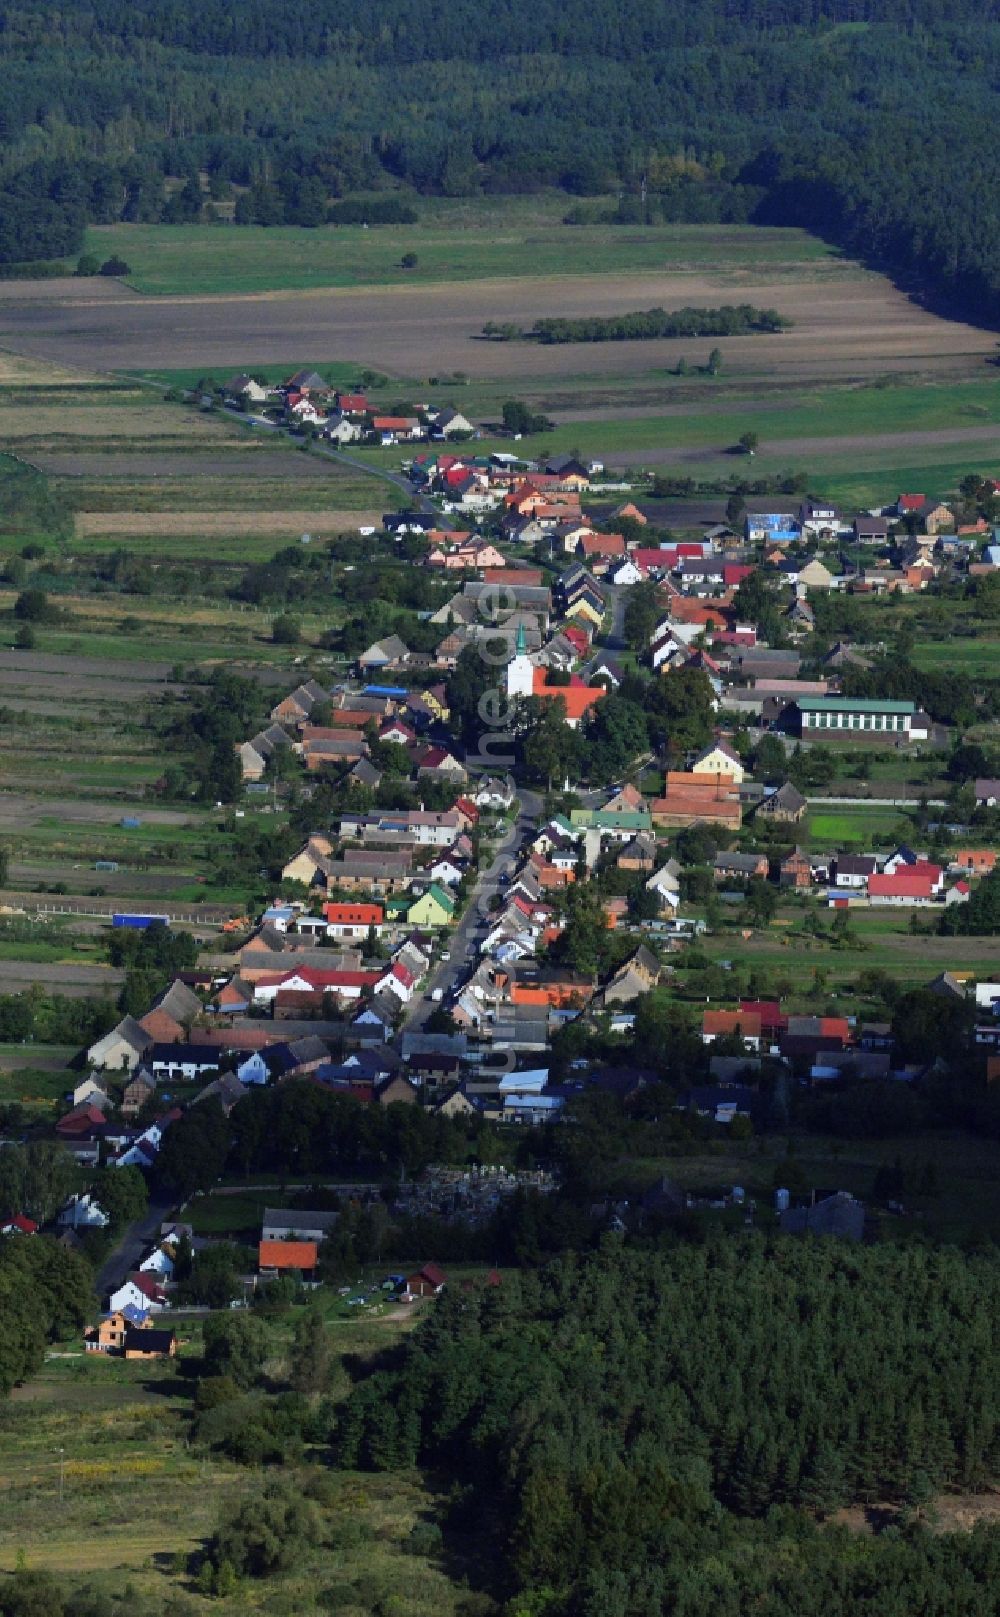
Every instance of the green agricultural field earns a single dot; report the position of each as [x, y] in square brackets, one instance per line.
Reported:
[501, 237]
[855, 443]
[979, 658]
[39, 1089]
[234, 1216]
[339, 373]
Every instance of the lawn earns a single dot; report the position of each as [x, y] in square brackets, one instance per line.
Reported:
[867, 825]
[499, 237]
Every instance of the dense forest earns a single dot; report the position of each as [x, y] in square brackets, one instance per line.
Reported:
[662, 1433]
[873, 121]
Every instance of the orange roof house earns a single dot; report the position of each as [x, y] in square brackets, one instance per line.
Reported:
[683, 609]
[549, 875]
[616, 912]
[284, 1255]
[744, 1025]
[600, 544]
[531, 577]
[690, 799]
[354, 915]
[978, 861]
[577, 697]
[556, 995]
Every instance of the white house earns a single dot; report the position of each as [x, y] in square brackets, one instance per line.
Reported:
[158, 1263]
[253, 1069]
[120, 1050]
[448, 871]
[719, 759]
[305, 410]
[626, 572]
[664, 883]
[83, 1213]
[397, 980]
[142, 1291]
[494, 792]
[340, 430]
[449, 423]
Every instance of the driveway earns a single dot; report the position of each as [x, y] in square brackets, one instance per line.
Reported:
[614, 640]
[131, 1249]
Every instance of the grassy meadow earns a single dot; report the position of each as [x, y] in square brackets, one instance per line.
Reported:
[138, 1503]
[454, 241]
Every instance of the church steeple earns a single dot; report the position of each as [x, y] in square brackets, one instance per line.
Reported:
[521, 644]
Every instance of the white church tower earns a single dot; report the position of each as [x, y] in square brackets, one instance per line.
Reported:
[520, 669]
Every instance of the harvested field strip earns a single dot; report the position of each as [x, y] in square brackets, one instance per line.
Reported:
[273, 462]
[65, 977]
[34, 665]
[18, 371]
[25, 811]
[330, 492]
[248, 643]
[180, 523]
[113, 426]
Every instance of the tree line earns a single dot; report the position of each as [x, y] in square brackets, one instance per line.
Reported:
[729, 320]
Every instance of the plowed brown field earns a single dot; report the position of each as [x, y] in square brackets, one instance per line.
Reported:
[848, 322]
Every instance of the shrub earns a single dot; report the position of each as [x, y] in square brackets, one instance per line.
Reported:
[286, 631]
[34, 606]
[115, 266]
[265, 1535]
[424, 1539]
[214, 1391]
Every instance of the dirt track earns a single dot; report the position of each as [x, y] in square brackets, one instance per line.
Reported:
[847, 322]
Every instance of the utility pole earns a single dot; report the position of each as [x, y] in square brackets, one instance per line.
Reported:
[62, 1468]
